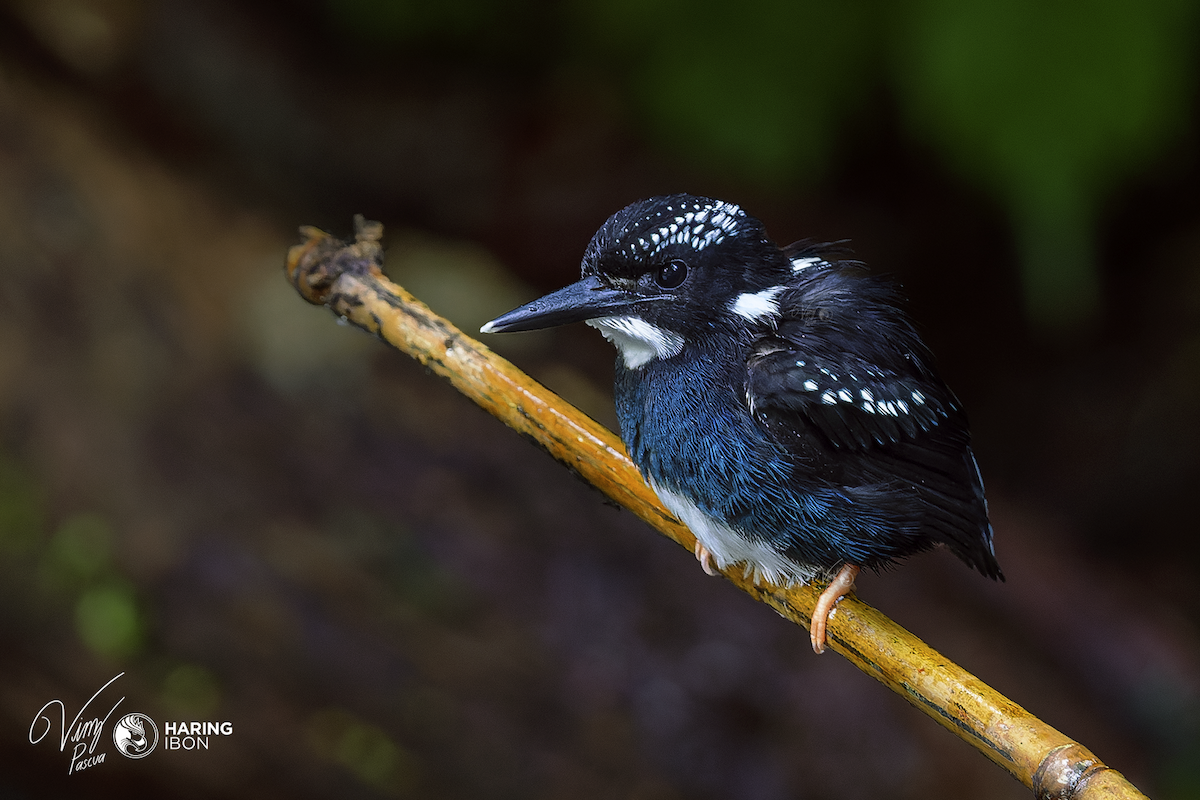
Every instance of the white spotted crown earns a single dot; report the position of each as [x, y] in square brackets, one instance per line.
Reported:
[696, 224]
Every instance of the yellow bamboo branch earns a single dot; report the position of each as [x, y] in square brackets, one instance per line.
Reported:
[347, 278]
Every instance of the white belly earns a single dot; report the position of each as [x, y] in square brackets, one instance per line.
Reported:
[727, 546]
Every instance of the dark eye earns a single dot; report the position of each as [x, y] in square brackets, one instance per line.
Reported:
[672, 274]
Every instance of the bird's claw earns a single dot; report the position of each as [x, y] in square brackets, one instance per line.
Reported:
[706, 559]
[841, 585]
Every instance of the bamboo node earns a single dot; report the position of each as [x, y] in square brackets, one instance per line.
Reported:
[1064, 771]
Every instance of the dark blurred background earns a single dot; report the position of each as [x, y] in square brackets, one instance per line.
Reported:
[264, 518]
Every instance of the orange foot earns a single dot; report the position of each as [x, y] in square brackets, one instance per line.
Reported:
[839, 587]
[705, 558]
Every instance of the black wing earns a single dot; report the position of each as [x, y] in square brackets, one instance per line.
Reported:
[854, 405]
[846, 385]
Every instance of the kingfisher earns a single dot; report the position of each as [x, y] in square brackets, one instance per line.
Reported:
[778, 400]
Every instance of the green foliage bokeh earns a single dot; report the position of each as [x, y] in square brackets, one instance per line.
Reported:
[1047, 105]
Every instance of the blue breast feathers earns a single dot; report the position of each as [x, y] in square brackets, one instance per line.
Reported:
[686, 432]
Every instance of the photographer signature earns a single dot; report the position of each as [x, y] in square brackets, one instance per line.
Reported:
[82, 733]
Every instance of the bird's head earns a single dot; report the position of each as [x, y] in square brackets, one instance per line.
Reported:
[663, 272]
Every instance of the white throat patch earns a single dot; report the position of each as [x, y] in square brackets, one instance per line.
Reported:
[638, 341]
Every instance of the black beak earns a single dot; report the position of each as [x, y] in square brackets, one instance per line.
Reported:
[588, 299]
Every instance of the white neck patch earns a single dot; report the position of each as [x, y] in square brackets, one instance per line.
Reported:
[638, 341]
[754, 306]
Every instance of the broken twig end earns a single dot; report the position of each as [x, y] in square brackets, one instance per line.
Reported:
[313, 265]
